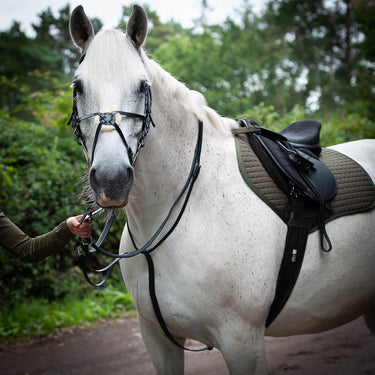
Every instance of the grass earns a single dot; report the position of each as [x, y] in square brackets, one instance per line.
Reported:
[40, 317]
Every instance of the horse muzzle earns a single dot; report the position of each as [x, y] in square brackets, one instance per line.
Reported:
[111, 187]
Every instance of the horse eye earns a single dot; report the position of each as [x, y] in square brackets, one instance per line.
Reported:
[78, 87]
[143, 86]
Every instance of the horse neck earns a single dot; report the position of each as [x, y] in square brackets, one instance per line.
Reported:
[164, 163]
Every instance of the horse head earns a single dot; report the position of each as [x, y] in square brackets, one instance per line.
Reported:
[112, 103]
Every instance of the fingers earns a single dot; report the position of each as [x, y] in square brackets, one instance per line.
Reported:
[80, 229]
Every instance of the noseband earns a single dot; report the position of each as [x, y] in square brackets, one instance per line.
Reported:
[109, 119]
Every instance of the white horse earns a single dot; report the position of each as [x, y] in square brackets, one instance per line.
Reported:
[216, 273]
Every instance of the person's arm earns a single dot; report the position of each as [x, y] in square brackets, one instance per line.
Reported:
[35, 249]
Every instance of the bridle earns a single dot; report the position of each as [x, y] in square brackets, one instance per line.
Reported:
[109, 119]
[87, 246]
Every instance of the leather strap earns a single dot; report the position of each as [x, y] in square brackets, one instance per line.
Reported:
[148, 248]
[193, 175]
[155, 304]
[294, 251]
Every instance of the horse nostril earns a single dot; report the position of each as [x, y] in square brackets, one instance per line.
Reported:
[111, 185]
[117, 181]
[93, 179]
[129, 176]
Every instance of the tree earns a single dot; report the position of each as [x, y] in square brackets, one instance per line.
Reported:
[21, 57]
[54, 32]
[235, 65]
[322, 38]
[364, 15]
[158, 32]
[26, 60]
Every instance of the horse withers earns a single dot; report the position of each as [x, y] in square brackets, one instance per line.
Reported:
[215, 273]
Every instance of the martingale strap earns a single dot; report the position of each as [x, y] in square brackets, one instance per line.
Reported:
[193, 175]
[155, 304]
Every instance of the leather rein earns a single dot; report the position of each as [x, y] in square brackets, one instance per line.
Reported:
[88, 247]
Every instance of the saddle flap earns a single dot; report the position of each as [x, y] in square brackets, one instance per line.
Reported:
[304, 134]
[270, 153]
[316, 179]
[321, 177]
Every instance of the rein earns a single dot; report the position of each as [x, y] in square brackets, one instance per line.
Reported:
[146, 248]
[88, 247]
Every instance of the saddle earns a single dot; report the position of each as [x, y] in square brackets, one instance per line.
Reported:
[291, 158]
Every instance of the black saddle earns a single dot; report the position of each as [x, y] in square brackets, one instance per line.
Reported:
[291, 158]
[304, 134]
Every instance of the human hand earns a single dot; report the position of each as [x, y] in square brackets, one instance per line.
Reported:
[82, 230]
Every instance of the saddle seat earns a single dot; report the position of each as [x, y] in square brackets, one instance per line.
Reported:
[304, 134]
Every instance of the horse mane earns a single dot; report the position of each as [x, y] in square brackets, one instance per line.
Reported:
[190, 100]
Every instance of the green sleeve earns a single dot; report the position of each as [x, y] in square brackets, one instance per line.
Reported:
[14, 240]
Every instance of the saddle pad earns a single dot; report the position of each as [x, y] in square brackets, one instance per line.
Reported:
[355, 189]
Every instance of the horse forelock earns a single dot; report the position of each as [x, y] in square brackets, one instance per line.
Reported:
[112, 56]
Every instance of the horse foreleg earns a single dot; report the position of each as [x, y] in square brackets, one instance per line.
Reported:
[244, 354]
[166, 357]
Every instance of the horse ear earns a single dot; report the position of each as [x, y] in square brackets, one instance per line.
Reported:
[81, 29]
[137, 26]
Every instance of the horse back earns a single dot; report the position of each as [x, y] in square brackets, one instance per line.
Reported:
[362, 151]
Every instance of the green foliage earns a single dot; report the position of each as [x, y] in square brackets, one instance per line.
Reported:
[20, 56]
[283, 56]
[253, 66]
[36, 317]
[49, 107]
[332, 41]
[336, 128]
[25, 60]
[231, 74]
[345, 128]
[40, 168]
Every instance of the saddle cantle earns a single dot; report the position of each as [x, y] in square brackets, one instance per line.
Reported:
[304, 134]
[274, 164]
